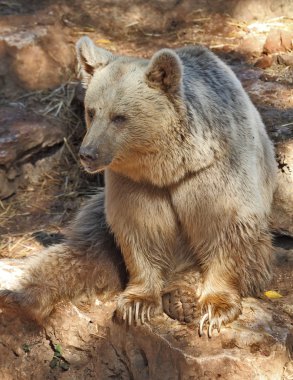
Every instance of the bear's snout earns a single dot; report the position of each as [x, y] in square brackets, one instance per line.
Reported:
[87, 153]
[93, 158]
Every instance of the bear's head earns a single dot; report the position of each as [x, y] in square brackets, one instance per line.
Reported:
[135, 114]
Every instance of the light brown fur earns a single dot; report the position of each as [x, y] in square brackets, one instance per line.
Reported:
[189, 179]
[87, 263]
[189, 176]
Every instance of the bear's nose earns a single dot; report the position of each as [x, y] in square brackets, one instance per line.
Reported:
[87, 153]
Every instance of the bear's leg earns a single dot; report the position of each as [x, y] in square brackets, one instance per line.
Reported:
[142, 297]
[237, 266]
[87, 262]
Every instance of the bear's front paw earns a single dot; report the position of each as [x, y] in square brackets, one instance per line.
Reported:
[218, 309]
[136, 309]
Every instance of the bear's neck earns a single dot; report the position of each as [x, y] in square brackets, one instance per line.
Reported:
[167, 167]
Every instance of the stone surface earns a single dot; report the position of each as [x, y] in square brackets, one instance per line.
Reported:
[24, 138]
[285, 59]
[256, 346]
[278, 40]
[260, 10]
[82, 342]
[252, 45]
[35, 58]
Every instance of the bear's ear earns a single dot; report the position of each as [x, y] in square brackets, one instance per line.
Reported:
[165, 71]
[91, 58]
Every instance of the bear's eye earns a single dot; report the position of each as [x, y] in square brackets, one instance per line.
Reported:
[118, 119]
[91, 113]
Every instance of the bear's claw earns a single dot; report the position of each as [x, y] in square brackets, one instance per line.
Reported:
[213, 322]
[135, 312]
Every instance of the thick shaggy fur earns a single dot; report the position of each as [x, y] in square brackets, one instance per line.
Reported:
[190, 174]
[88, 262]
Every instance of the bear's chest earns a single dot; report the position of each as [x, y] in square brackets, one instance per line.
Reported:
[138, 210]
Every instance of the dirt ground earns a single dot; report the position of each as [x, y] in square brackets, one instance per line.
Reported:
[39, 211]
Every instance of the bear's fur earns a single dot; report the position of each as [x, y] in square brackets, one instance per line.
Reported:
[189, 179]
[87, 262]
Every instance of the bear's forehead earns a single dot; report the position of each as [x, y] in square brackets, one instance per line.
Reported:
[114, 81]
[119, 71]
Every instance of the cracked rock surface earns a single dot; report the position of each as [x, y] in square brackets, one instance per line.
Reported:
[82, 342]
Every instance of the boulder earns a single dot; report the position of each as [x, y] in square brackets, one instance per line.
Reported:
[34, 58]
[25, 138]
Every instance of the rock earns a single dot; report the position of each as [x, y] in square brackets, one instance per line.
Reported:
[282, 216]
[285, 59]
[36, 58]
[9, 180]
[259, 10]
[24, 138]
[264, 62]
[252, 46]
[287, 39]
[278, 40]
[247, 350]
[81, 343]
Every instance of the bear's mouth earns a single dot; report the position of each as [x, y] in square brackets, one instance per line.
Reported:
[93, 167]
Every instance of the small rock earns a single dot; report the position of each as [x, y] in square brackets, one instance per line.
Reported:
[252, 46]
[278, 40]
[285, 59]
[264, 62]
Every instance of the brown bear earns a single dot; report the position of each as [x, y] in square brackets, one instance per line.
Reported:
[189, 180]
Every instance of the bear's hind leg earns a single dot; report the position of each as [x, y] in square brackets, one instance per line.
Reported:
[179, 295]
[87, 262]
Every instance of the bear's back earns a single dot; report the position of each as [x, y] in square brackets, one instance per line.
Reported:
[219, 107]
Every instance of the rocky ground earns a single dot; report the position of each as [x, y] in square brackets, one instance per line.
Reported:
[41, 184]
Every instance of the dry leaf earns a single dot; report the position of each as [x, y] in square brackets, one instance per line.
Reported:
[272, 294]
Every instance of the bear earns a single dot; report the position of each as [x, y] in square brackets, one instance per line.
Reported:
[189, 176]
